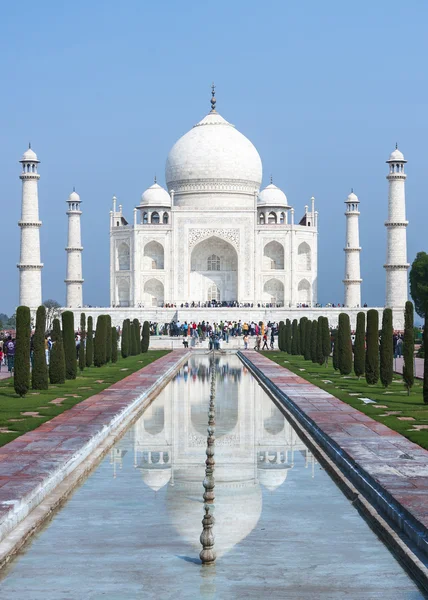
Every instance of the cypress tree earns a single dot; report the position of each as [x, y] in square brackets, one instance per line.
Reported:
[69, 344]
[345, 345]
[136, 341]
[335, 350]
[408, 347]
[360, 345]
[39, 374]
[131, 339]
[113, 345]
[326, 340]
[145, 337]
[298, 338]
[386, 349]
[320, 356]
[294, 338]
[314, 336]
[303, 323]
[57, 358]
[308, 340]
[287, 339]
[124, 346]
[82, 357]
[280, 336]
[372, 347]
[108, 338]
[90, 343]
[100, 342]
[21, 370]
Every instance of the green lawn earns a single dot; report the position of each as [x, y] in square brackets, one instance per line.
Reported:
[350, 388]
[13, 423]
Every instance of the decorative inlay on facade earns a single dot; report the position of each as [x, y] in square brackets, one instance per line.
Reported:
[214, 185]
[29, 223]
[396, 267]
[30, 267]
[352, 249]
[230, 235]
[74, 249]
[160, 278]
[231, 440]
[396, 223]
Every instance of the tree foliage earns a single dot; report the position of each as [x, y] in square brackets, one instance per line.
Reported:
[344, 344]
[113, 345]
[288, 335]
[386, 349]
[82, 357]
[69, 341]
[419, 293]
[145, 337]
[320, 356]
[21, 373]
[108, 338]
[124, 346]
[409, 347]
[294, 338]
[308, 340]
[326, 340]
[39, 373]
[360, 345]
[314, 340]
[335, 334]
[136, 337]
[281, 332]
[90, 343]
[57, 358]
[100, 341]
[372, 347]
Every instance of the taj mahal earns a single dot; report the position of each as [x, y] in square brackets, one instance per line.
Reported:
[215, 239]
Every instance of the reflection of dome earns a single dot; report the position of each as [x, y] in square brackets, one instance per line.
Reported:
[272, 196]
[237, 511]
[272, 477]
[275, 423]
[156, 477]
[155, 195]
[213, 150]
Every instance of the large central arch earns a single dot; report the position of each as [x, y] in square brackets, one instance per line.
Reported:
[213, 262]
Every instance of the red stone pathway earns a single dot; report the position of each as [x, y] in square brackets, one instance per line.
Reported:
[28, 463]
[395, 463]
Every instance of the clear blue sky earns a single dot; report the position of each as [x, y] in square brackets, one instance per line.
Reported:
[104, 89]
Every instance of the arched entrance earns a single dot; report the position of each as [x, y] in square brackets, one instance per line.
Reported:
[273, 292]
[213, 271]
[153, 293]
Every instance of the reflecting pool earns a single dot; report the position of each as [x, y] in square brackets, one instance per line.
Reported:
[283, 529]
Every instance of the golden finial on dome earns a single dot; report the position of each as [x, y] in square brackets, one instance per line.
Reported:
[213, 100]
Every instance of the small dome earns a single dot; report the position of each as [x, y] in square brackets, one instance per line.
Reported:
[396, 156]
[73, 197]
[272, 196]
[155, 195]
[29, 155]
[156, 478]
[352, 198]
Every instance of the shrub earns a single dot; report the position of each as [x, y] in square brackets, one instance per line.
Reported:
[108, 338]
[82, 357]
[113, 345]
[372, 347]
[39, 374]
[326, 340]
[320, 356]
[360, 345]
[145, 337]
[345, 345]
[308, 340]
[57, 358]
[386, 349]
[124, 347]
[287, 336]
[280, 336]
[21, 372]
[90, 343]
[69, 341]
[302, 326]
[335, 350]
[100, 342]
[408, 347]
[294, 338]
[136, 337]
[314, 335]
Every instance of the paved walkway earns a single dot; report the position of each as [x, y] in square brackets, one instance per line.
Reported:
[419, 366]
[380, 459]
[35, 463]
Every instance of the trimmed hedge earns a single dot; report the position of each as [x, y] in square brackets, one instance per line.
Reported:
[69, 341]
[90, 343]
[113, 345]
[124, 346]
[287, 336]
[280, 336]
[108, 338]
[314, 336]
[308, 340]
[302, 325]
[335, 350]
[136, 337]
[82, 357]
[57, 359]
[294, 338]
[372, 347]
[100, 342]
[21, 370]
[326, 340]
[320, 356]
[39, 373]
[345, 345]
[408, 347]
[145, 337]
[386, 349]
[360, 345]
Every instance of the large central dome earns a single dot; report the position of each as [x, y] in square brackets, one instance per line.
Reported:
[213, 157]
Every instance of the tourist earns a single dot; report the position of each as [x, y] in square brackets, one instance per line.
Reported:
[265, 342]
[245, 339]
[258, 342]
[399, 347]
[10, 351]
[1, 357]
[272, 338]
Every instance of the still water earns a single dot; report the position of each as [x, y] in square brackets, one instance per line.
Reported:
[283, 529]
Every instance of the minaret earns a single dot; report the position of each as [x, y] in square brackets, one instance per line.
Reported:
[30, 267]
[74, 281]
[352, 250]
[396, 250]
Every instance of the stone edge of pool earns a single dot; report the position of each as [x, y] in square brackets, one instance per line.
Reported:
[39, 462]
[358, 446]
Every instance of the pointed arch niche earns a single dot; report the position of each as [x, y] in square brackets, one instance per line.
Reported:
[213, 262]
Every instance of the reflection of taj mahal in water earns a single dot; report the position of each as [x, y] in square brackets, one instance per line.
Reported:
[255, 448]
